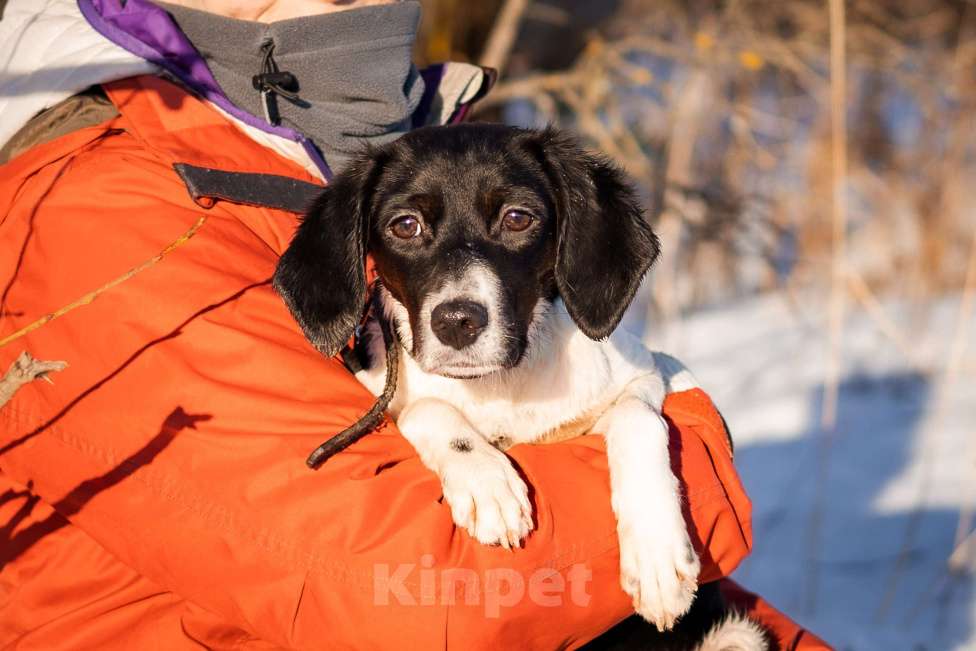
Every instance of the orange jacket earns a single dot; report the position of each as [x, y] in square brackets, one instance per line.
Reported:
[156, 495]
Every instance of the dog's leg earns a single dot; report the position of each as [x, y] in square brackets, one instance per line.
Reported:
[486, 494]
[658, 565]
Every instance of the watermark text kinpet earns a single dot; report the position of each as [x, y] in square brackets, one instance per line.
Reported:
[421, 584]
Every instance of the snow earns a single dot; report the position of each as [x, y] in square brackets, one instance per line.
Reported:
[852, 528]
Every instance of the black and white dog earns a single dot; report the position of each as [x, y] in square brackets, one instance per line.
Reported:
[506, 259]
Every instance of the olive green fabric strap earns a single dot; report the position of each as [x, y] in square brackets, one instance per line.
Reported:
[86, 109]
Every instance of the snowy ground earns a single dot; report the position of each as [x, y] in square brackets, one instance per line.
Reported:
[852, 531]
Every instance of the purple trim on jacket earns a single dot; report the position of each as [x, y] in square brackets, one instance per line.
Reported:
[147, 31]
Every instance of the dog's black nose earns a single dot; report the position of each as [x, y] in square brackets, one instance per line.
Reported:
[458, 323]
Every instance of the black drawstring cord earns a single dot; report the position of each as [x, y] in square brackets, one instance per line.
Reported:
[271, 82]
[370, 419]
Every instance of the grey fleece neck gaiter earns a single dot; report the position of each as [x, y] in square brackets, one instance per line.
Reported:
[355, 79]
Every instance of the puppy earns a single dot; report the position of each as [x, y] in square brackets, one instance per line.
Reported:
[506, 259]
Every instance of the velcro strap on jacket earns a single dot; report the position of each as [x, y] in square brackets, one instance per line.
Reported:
[208, 186]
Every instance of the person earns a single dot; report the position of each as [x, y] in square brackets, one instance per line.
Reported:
[156, 160]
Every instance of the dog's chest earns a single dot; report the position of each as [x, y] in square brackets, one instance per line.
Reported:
[507, 415]
[557, 395]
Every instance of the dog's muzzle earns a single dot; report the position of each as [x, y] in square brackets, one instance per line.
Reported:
[458, 323]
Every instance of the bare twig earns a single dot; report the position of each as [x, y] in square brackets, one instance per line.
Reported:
[526, 87]
[866, 297]
[961, 563]
[503, 34]
[838, 141]
[92, 295]
[838, 148]
[690, 109]
[957, 349]
[963, 557]
[25, 369]
[956, 353]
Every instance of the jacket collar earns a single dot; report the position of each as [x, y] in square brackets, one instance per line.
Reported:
[148, 31]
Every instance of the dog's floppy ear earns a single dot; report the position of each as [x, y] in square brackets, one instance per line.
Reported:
[605, 245]
[322, 274]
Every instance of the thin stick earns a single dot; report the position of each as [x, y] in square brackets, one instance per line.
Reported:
[91, 296]
[956, 353]
[874, 308]
[838, 147]
[503, 34]
[828, 417]
[962, 562]
[963, 557]
[957, 349]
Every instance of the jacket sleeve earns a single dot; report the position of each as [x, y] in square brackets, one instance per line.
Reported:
[176, 438]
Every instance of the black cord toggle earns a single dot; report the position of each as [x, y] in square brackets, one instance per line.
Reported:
[280, 83]
[271, 82]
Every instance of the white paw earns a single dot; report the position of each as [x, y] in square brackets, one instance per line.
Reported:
[659, 570]
[487, 497]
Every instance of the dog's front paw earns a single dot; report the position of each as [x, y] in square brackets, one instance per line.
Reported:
[487, 497]
[659, 570]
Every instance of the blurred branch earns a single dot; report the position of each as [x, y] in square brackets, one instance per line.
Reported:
[502, 37]
[875, 310]
[838, 150]
[957, 352]
[828, 416]
[963, 557]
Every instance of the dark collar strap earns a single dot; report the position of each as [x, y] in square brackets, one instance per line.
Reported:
[208, 186]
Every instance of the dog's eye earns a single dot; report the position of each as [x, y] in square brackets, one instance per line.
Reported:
[406, 227]
[516, 220]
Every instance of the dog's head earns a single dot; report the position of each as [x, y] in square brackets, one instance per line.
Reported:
[474, 230]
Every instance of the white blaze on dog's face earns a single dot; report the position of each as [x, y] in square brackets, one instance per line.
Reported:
[474, 231]
[463, 326]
